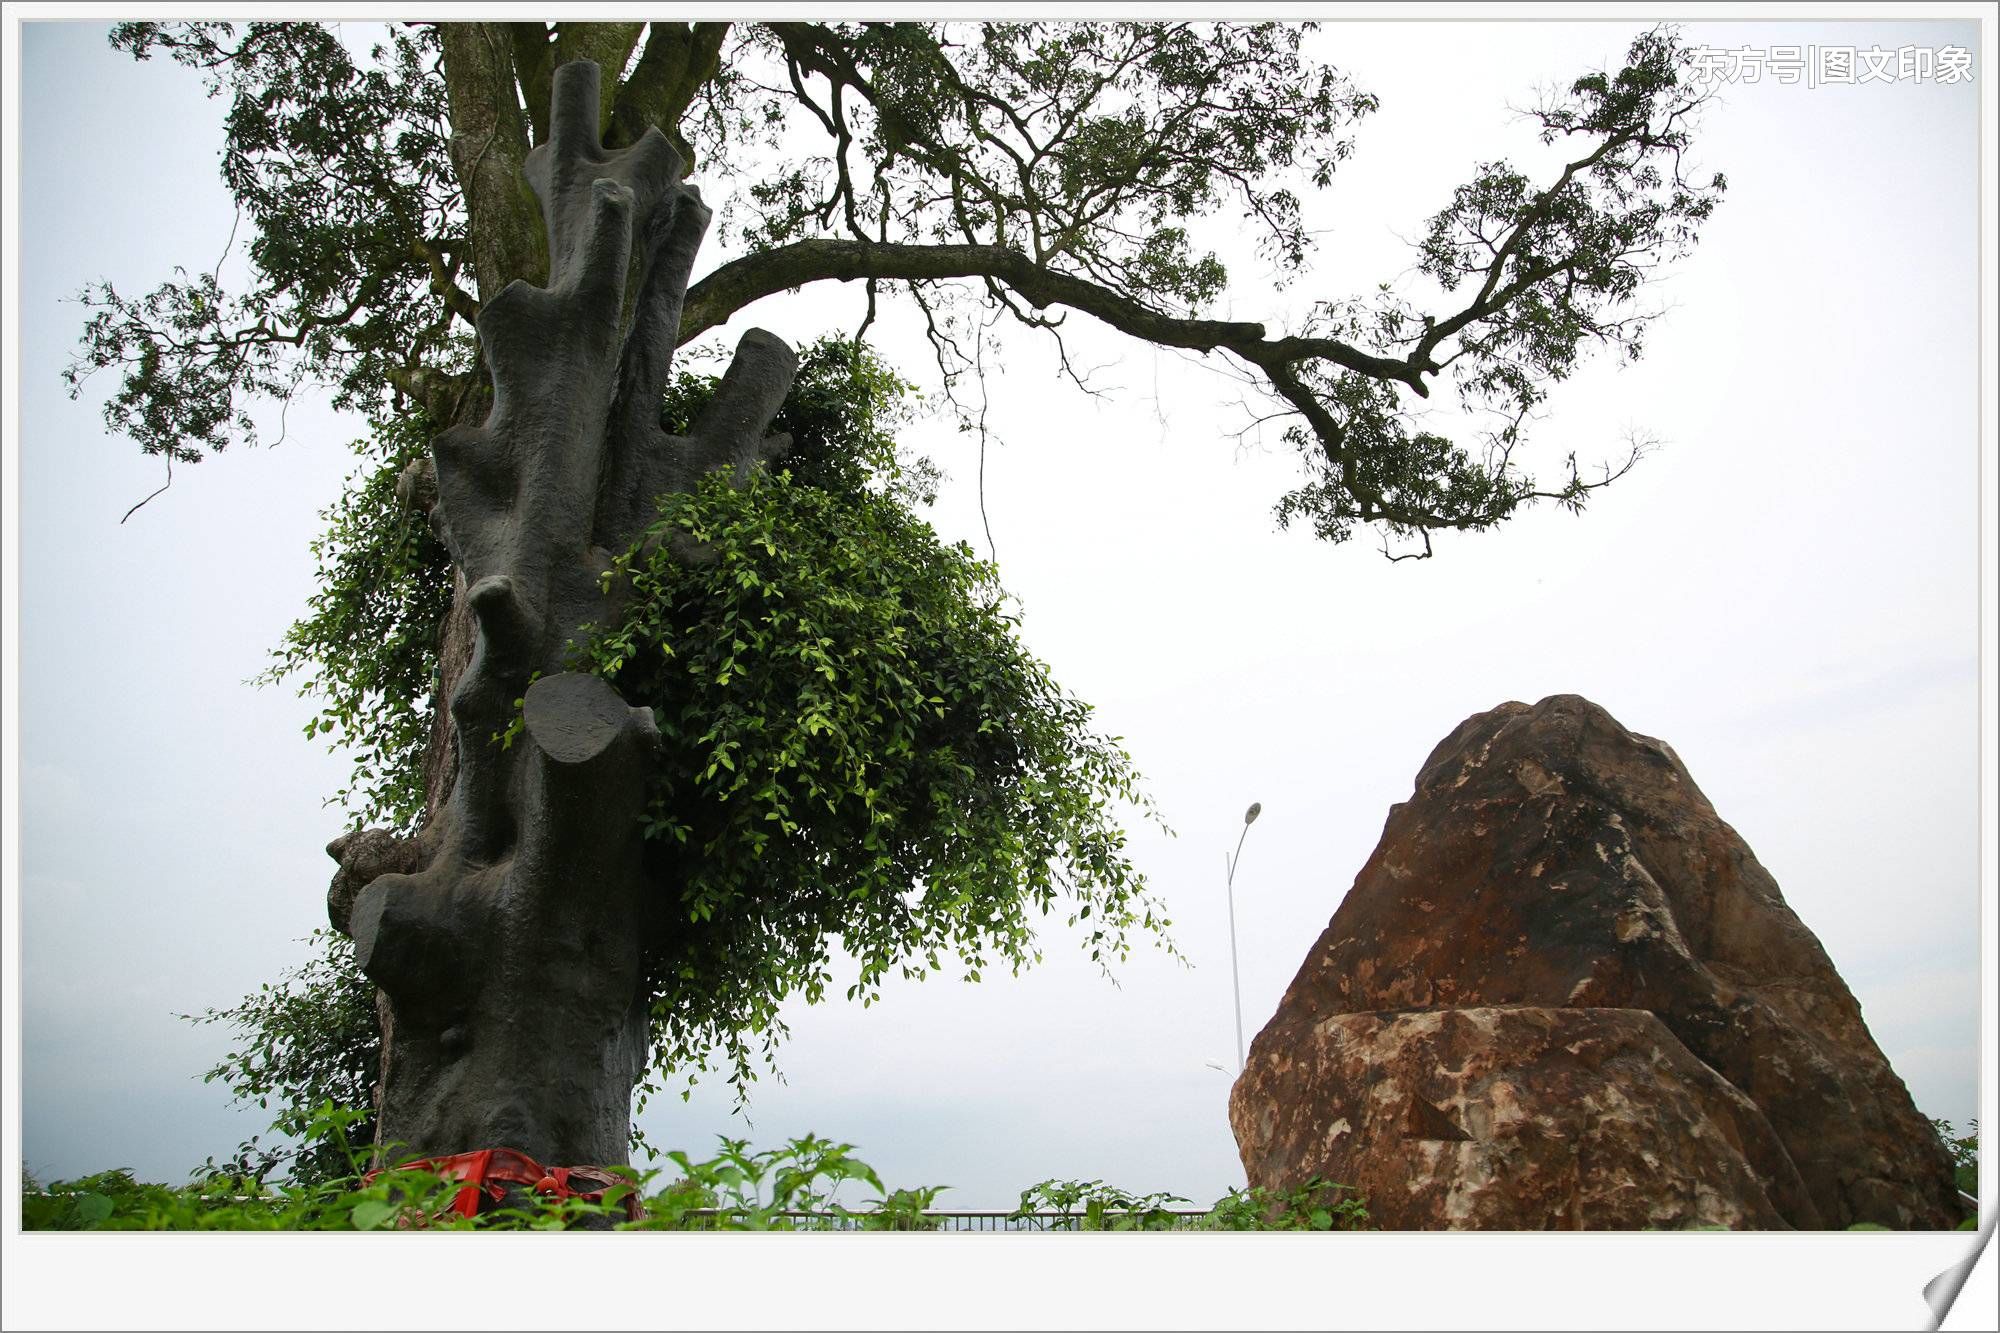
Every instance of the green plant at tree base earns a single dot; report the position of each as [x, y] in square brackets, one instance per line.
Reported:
[793, 1187]
[224, 1201]
[309, 1040]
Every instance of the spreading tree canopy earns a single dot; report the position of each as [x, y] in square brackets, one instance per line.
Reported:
[852, 743]
[1045, 167]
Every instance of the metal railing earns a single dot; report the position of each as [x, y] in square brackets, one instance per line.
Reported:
[944, 1219]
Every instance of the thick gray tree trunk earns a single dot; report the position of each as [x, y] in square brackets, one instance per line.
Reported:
[507, 937]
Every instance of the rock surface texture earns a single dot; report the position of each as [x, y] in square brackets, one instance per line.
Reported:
[1563, 993]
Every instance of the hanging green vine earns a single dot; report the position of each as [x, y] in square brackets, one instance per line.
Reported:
[367, 651]
[858, 748]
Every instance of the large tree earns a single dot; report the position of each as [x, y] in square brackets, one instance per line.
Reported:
[705, 714]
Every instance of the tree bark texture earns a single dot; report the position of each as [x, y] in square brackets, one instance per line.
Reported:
[507, 937]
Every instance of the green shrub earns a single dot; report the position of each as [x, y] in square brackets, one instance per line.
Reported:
[1317, 1205]
[794, 1187]
[1092, 1205]
[1964, 1149]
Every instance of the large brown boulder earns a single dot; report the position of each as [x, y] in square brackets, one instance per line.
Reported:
[1512, 1117]
[1551, 859]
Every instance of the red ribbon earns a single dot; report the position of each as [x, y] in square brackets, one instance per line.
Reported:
[490, 1170]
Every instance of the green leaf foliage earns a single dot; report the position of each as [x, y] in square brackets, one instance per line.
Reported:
[842, 413]
[1092, 1205]
[367, 649]
[858, 747]
[1317, 1205]
[1549, 273]
[1963, 1145]
[856, 744]
[310, 1040]
[1029, 168]
[1089, 146]
[794, 1187]
[340, 168]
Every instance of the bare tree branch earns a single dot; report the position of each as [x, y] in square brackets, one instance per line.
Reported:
[737, 284]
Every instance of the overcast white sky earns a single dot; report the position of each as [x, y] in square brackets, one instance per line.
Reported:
[1787, 592]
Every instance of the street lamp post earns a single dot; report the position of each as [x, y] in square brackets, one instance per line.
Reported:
[1235, 977]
